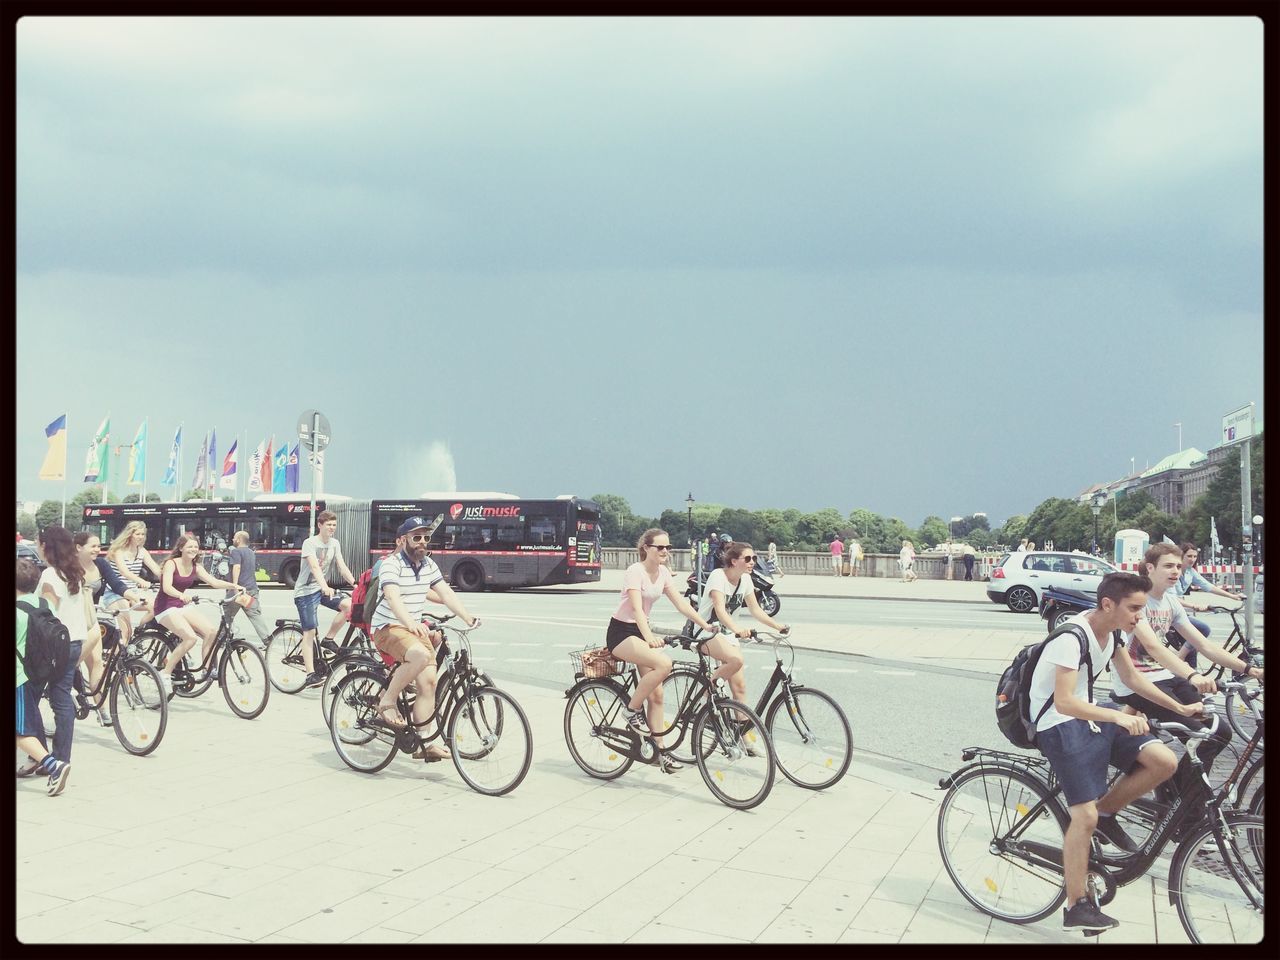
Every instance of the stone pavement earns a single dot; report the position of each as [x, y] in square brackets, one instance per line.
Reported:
[254, 831]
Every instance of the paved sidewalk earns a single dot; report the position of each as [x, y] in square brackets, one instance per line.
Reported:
[863, 588]
[254, 831]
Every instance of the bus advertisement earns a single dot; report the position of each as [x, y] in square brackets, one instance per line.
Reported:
[480, 542]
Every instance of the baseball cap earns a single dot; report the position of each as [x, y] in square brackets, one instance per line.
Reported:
[413, 523]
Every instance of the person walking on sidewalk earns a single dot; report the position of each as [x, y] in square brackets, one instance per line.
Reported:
[321, 559]
[855, 557]
[244, 572]
[837, 554]
[969, 557]
[907, 560]
[1080, 739]
[29, 731]
[631, 639]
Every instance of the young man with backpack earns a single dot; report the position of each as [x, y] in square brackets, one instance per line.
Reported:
[28, 706]
[1080, 738]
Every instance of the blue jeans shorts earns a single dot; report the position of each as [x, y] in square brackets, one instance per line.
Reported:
[26, 707]
[307, 604]
[1079, 757]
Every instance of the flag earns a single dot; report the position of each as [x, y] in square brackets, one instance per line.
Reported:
[170, 477]
[279, 468]
[228, 481]
[213, 459]
[255, 469]
[95, 462]
[202, 466]
[138, 457]
[55, 458]
[265, 467]
[291, 472]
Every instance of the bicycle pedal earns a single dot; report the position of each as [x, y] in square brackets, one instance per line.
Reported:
[1092, 933]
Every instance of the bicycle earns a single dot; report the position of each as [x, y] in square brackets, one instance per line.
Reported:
[235, 663]
[1000, 834]
[811, 737]
[732, 750]
[484, 728]
[132, 689]
[1239, 715]
[283, 652]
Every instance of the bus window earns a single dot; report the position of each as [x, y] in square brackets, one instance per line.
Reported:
[257, 530]
[290, 530]
[546, 529]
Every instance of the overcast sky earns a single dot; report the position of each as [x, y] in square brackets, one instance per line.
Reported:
[922, 266]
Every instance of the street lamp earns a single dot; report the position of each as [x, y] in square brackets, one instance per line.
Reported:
[1257, 522]
[689, 500]
[1096, 505]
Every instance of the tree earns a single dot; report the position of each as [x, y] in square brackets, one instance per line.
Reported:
[1221, 501]
[27, 526]
[133, 498]
[816, 529]
[615, 516]
[1013, 531]
[933, 530]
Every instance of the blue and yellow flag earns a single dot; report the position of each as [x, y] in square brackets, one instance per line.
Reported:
[55, 458]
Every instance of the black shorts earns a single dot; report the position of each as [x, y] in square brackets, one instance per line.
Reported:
[1181, 690]
[618, 631]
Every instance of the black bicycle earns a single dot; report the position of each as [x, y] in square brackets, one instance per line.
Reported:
[728, 741]
[233, 662]
[1002, 822]
[811, 737]
[484, 728]
[1237, 711]
[130, 688]
[283, 651]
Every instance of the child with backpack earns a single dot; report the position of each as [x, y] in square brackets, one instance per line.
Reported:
[28, 706]
[1081, 738]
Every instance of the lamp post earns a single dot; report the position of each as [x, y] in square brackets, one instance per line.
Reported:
[1257, 523]
[950, 537]
[1096, 505]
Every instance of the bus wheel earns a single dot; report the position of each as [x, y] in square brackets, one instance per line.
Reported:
[289, 573]
[468, 577]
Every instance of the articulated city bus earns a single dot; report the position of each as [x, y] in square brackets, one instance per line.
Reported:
[483, 539]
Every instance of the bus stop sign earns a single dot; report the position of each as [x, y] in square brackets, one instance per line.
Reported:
[313, 430]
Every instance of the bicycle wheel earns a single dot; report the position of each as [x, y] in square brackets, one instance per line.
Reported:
[1255, 802]
[363, 743]
[733, 755]
[988, 810]
[491, 741]
[285, 666]
[1214, 885]
[139, 708]
[1249, 788]
[243, 676]
[340, 671]
[1240, 717]
[811, 737]
[594, 704]
[682, 687]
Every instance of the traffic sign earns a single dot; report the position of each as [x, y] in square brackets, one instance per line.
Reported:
[313, 430]
[1238, 425]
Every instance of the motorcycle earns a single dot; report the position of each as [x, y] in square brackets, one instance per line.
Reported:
[760, 580]
[1057, 604]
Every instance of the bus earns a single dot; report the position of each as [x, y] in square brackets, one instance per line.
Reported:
[483, 540]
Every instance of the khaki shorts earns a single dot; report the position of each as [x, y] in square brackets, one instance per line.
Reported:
[395, 640]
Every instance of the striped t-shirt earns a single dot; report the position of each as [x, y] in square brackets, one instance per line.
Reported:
[413, 585]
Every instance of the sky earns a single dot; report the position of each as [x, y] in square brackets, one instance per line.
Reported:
[918, 266]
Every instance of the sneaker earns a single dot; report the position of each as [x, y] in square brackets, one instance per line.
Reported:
[58, 778]
[751, 744]
[1111, 832]
[313, 680]
[328, 643]
[1083, 915]
[28, 768]
[669, 764]
[166, 684]
[104, 716]
[636, 721]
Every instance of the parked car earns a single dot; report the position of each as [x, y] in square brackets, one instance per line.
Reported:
[1018, 579]
[29, 551]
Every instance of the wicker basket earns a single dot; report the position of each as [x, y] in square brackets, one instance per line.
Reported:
[595, 663]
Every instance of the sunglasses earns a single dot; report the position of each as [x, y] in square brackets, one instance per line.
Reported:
[750, 558]
[419, 537]
[659, 546]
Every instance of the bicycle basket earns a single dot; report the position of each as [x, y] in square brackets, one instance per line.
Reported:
[595, 663]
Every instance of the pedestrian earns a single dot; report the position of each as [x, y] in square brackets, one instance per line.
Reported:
[969, 557]
[244, 571]
[906, 560]
[1031, 545]
[855, 557]
[712, 559]
[321, 561]
[29, 732]
[837, 553]
[62, 587]
[774, 569]
[1022, 547]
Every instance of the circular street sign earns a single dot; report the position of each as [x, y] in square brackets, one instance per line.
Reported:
[320, 438]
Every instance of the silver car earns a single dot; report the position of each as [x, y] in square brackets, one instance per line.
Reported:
[1018, 578]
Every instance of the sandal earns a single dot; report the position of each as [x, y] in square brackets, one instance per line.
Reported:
[390, 715]
[431, 753]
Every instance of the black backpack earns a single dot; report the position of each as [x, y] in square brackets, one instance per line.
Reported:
[1013, 692]
[48, 643]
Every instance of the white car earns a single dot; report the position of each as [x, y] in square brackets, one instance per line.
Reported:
[1018, 578]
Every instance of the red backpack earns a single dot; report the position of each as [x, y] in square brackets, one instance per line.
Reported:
[359, 595]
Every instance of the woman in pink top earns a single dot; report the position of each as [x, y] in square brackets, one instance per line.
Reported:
[630, 638]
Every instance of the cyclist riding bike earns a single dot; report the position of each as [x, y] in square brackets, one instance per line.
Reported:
[406, 580]
[729, 588]
[321, 558]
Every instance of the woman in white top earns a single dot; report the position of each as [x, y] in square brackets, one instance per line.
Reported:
[906, 559]
[62, 586]
[774, 569]
[129, 554]
[631, 639]
[729, 588]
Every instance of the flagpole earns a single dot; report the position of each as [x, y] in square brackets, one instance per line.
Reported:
[65, 469]
[103, 480]
[146, 442]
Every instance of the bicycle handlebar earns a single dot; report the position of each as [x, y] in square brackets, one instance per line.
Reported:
[1169, 727]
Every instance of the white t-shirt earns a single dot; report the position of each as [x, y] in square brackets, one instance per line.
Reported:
[326, 554]
[413, 584]
[636, 578]
[71, 609]
[734, 597]
[1064, 651]
[1162, 615]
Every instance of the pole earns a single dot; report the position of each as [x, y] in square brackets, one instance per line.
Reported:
[315, 469]
[146, 433]
[1246, 526]
[66, 468]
